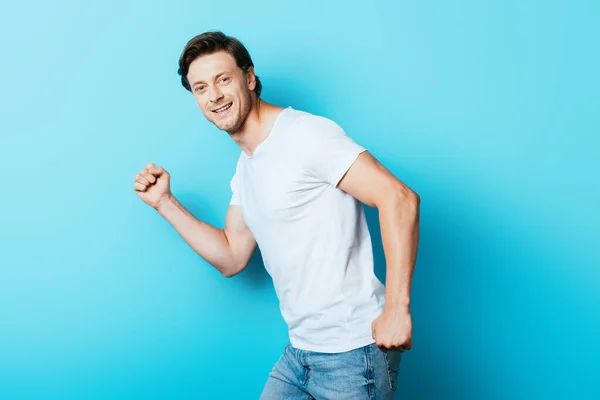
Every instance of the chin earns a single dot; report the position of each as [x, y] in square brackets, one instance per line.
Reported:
[230, 124]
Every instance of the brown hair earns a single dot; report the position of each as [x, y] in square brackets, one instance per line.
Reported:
[212, 42]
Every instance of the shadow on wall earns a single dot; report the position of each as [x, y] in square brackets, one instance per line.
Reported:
[424, 374]
[443, 291]
[255, 273]
[491, 300]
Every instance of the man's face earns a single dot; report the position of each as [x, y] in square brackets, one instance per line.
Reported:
[221, 89]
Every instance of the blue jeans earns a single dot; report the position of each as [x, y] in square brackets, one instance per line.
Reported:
[363, 373]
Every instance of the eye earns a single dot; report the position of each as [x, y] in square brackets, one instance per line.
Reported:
[198, 88]
[225, 79]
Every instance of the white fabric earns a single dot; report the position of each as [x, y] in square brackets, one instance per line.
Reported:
[313, 237]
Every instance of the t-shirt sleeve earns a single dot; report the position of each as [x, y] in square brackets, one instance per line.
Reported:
[235, 198]
[328, 152]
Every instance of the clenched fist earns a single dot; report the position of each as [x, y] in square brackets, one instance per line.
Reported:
[152, 184]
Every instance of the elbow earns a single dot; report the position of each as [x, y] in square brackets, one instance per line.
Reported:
[229, 274]
[233, 271]
[403, 197]
[414, 199]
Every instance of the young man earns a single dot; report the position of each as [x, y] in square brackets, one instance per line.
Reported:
[297, 193]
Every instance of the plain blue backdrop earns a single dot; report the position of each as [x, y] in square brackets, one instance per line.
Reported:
[489, 110]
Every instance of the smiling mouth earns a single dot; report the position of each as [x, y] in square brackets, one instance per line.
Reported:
[223, 109]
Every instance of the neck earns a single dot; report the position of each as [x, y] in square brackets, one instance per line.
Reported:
[257, 126]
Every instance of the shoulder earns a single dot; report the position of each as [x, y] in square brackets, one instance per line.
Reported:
[309, 127]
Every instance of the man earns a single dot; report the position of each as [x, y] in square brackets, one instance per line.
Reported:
[297, 193]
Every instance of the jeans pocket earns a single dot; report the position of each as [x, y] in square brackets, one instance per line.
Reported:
[392, 360]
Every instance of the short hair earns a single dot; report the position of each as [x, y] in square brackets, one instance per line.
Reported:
[212, 42]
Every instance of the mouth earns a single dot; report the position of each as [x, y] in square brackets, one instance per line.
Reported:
[222, 109]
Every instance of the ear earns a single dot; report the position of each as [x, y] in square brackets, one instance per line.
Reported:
[250, 78]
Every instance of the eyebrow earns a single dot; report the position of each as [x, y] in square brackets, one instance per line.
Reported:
[215, 77]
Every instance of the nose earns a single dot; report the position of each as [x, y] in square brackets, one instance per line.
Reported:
[215, 94]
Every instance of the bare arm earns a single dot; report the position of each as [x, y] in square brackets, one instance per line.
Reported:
[228, 250]
[399, 207]
[371, 183]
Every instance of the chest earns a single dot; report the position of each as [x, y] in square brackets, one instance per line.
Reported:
[275, 191]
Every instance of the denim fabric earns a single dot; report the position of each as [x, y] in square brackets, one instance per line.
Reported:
[362, 373]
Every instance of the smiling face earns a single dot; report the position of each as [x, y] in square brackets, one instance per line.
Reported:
[222, 90]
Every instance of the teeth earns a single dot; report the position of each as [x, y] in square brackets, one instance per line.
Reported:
[223, 108]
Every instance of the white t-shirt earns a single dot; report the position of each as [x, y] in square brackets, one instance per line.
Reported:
[313, 237]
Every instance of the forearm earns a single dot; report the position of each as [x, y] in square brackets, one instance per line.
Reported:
[208, 241]
[399, 221]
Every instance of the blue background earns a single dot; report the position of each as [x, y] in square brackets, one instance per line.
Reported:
[489, 110]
